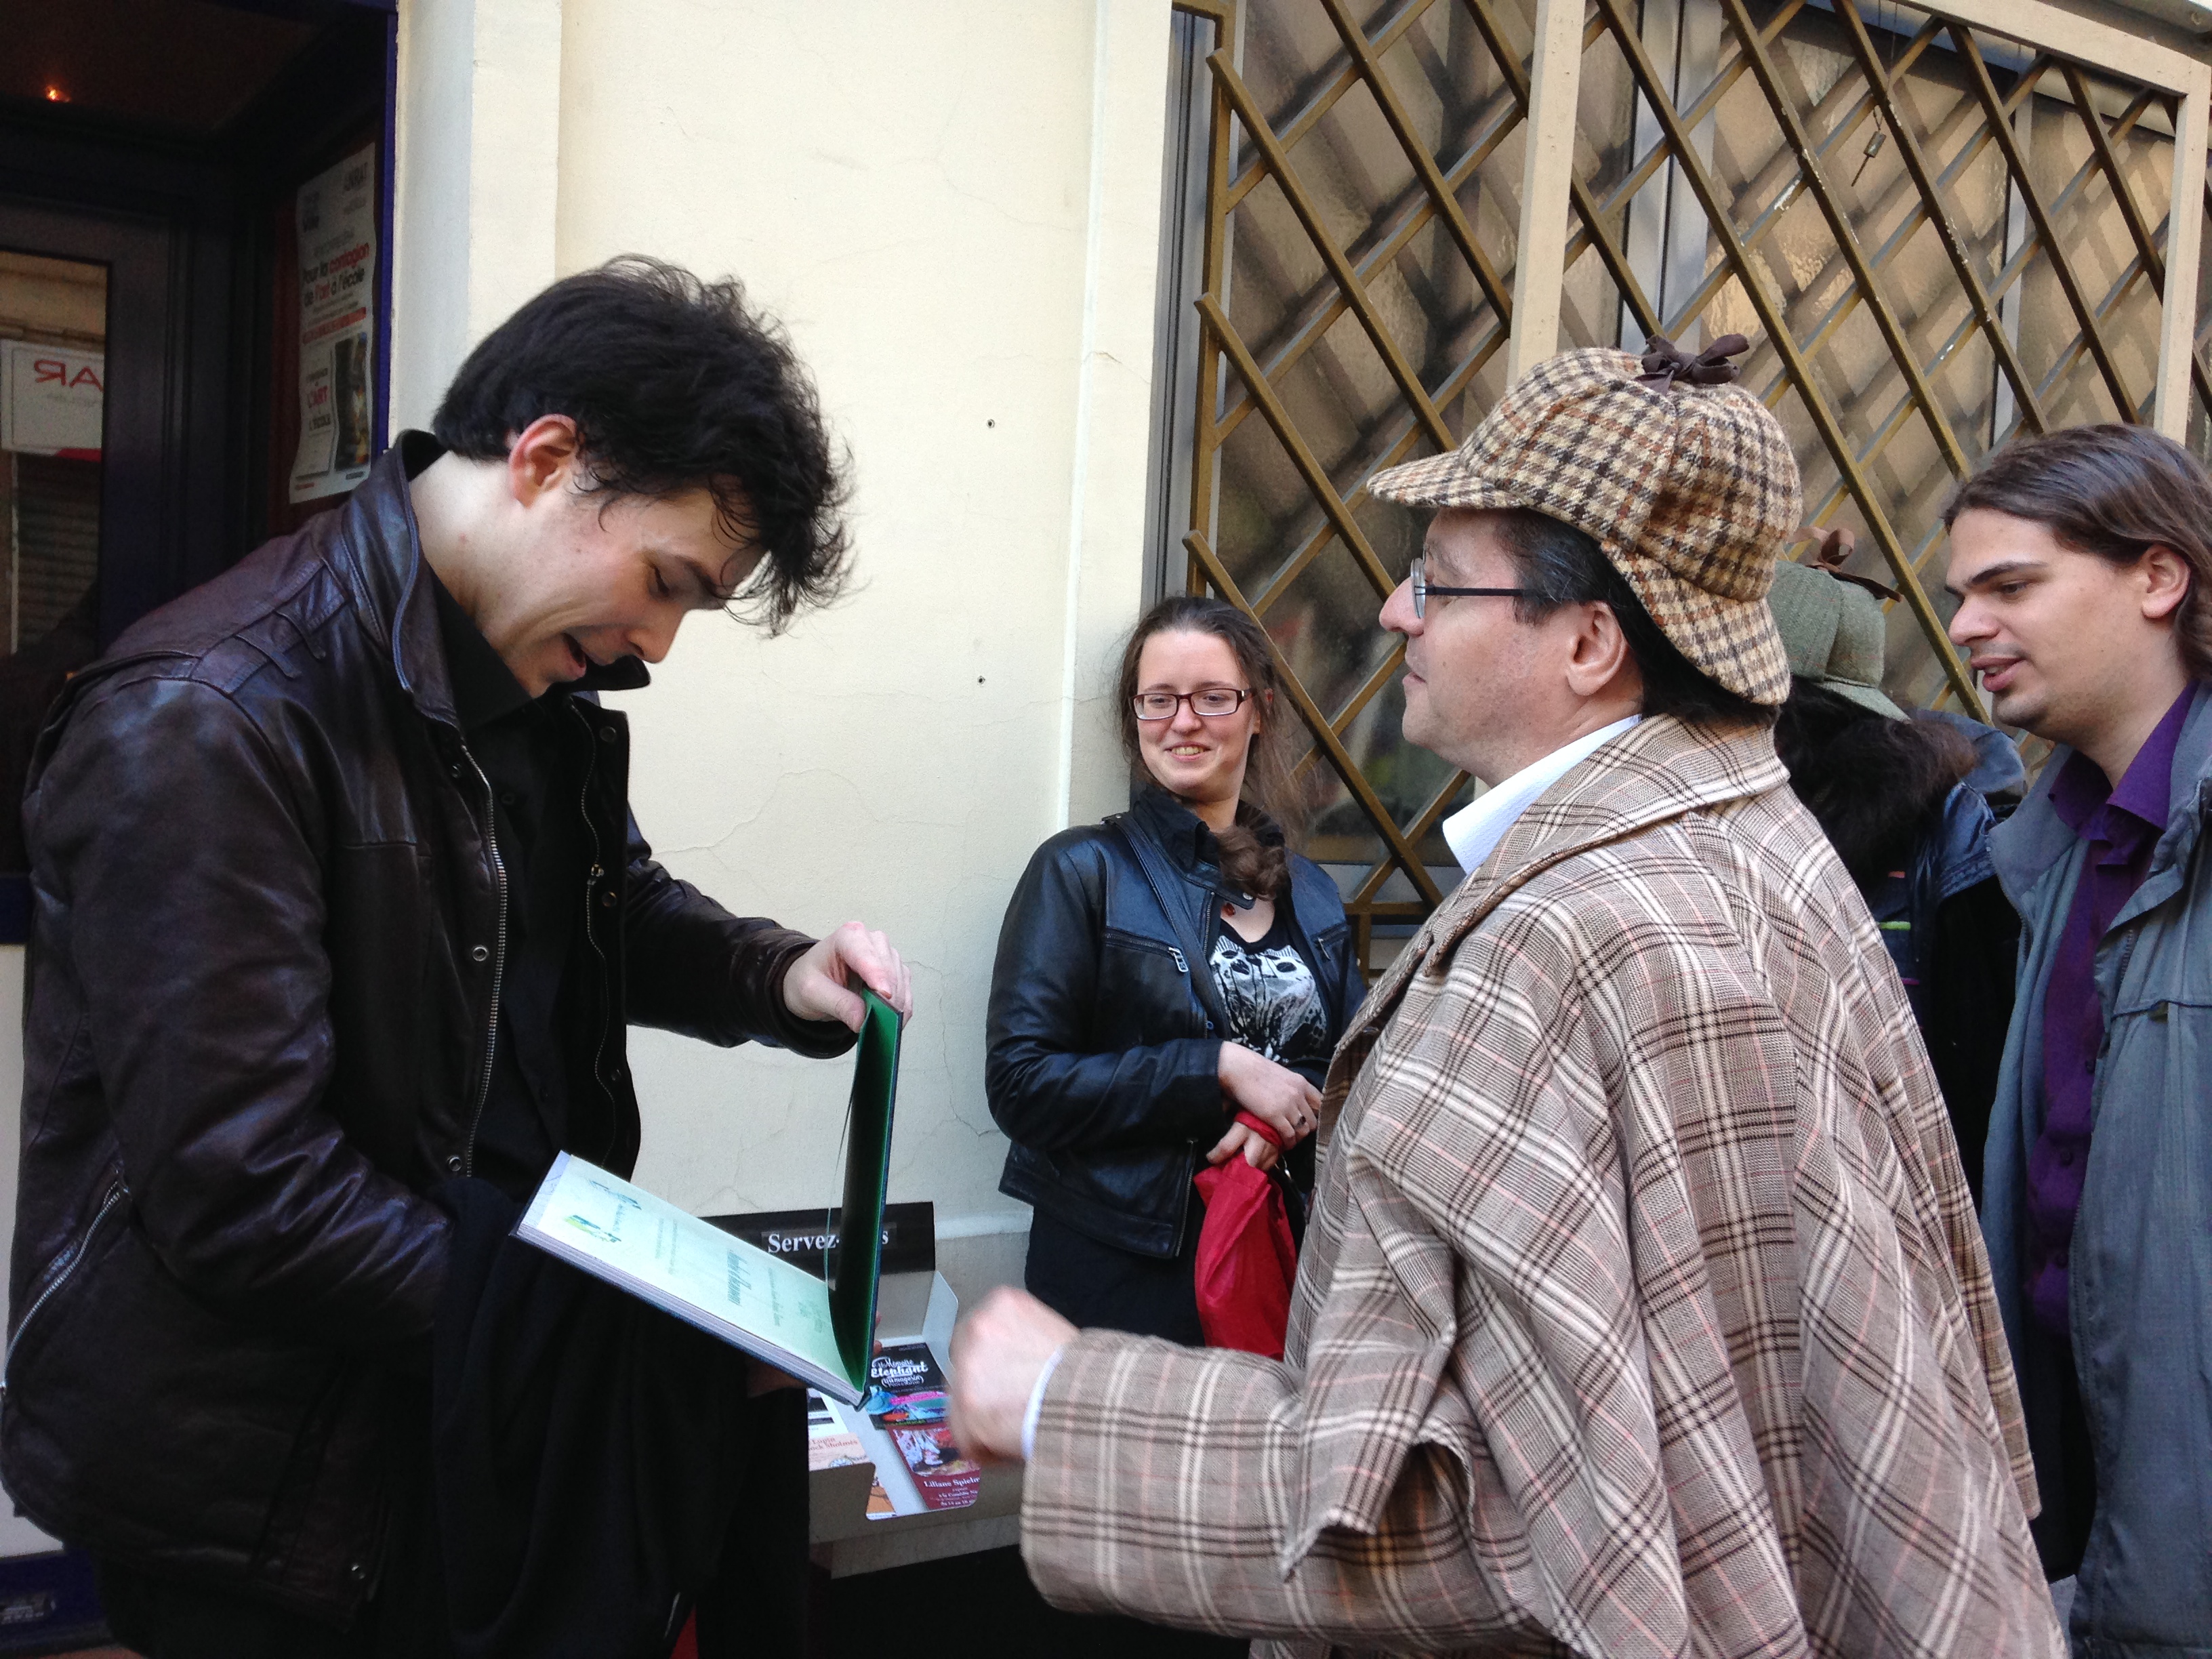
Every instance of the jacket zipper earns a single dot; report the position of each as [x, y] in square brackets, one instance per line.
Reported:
[66, 1264]
[1195, 1154]
[498, 962]
[2073, 1280]
[2127, 949]
[591, 881]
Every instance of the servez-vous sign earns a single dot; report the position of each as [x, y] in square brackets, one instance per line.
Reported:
[803, 1237]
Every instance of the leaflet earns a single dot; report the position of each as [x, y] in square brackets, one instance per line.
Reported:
[821, 1332]
[906, 1401]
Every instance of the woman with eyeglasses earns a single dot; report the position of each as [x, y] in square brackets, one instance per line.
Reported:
[1161, 974]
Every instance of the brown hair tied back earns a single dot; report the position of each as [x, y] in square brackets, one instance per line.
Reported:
[2114, 491]
[1252, 861]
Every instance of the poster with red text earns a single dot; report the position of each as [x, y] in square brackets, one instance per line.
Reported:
[51, 399]
[336, 213]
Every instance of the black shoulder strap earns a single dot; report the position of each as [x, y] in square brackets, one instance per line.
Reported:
[1165, 882]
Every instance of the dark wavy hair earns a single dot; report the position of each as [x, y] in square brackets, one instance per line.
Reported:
[1252, 859]
[675, 385]
[2115, 491]
[1874, 785]
[1562, 565]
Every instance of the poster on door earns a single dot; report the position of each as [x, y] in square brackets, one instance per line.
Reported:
[51, 399]
[337, 326]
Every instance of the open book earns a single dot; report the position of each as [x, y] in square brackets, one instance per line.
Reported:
[820, 1332]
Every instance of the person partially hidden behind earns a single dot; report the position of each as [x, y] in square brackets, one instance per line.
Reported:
[2082, 561]
[1642, 1311]
[337, 897]
[1908, 803]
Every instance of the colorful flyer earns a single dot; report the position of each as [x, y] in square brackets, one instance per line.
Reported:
[906, 1399]
[337, 214]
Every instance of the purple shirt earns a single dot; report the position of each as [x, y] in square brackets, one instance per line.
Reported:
[2122, 827]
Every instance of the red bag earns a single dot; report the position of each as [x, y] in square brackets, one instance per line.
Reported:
[1247, 1259]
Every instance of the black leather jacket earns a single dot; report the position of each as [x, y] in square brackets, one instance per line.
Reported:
[268, 928]
[1102, 1063]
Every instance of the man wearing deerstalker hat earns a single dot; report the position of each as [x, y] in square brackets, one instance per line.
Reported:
[1642, 1310]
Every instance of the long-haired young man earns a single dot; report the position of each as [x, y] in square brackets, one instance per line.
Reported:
[2082, 561]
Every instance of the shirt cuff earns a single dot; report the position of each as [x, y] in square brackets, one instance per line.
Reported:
[1036, 1404]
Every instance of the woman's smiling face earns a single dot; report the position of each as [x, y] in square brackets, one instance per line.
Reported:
[1196, 758]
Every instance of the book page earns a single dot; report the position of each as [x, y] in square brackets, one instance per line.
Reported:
[667, 1250]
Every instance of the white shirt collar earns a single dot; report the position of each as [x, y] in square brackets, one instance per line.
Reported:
[1473, 831]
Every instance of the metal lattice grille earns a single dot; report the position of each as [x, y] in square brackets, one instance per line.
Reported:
[1991, 262]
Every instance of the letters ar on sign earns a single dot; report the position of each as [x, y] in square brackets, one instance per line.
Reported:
[51, 399]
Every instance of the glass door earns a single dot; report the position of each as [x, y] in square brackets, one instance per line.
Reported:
[53, 386]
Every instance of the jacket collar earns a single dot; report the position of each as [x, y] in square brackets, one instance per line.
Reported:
[1656, 771]
[1189, 843]
[2027, 845]
[381, 561]
[1473, 830]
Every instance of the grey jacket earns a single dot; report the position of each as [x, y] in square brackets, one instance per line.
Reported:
[2140, 1269]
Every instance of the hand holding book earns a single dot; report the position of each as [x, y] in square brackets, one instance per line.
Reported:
[823, 983]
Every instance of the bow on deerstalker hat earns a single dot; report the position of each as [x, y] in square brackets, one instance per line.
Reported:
[1684, 478]
[1664, 362]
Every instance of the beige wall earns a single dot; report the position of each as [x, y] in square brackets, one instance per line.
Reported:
[955, 210]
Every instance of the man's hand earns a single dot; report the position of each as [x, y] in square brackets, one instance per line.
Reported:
[817, 984]
[997, 1352]
[1274, 1093]
[1259, 1151]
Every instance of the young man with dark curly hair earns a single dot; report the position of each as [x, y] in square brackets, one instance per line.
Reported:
[338, 899]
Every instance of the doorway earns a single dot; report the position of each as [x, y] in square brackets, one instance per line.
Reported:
[53, 366]
[194, 208]
[194, 279]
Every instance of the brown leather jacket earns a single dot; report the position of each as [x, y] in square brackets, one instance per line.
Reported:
[268, 927]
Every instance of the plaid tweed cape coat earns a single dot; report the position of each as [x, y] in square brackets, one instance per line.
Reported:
[1643, 1312]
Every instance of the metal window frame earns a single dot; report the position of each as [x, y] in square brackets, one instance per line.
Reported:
[1672, 152]
[2040, 27]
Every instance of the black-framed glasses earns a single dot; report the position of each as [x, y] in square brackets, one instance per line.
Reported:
[1211, 702]
[1422, 590]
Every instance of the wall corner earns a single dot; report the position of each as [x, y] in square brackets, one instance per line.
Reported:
[1106, 528]
[477, 181]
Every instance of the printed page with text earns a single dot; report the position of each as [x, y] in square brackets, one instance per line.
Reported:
[622, 1233]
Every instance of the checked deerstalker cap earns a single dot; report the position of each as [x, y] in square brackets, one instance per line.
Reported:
[1685, 480]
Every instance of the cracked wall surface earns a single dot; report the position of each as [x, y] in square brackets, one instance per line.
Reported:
[955, 211]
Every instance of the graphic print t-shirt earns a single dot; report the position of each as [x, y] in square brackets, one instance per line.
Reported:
[1273, 1004]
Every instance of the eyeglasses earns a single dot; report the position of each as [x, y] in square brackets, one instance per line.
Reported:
[1422, 590]
[1213, 701]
